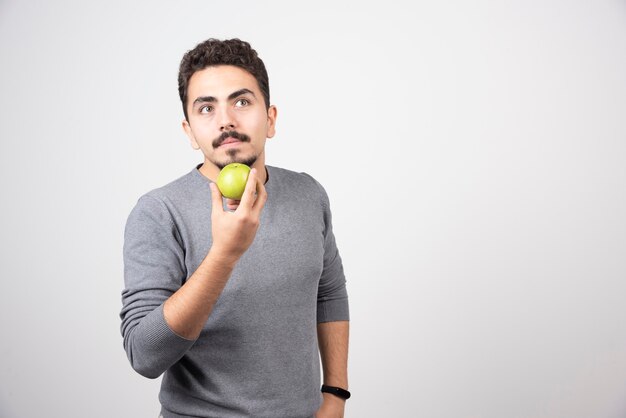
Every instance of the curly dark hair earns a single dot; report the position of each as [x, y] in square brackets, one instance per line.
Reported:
[214, 52]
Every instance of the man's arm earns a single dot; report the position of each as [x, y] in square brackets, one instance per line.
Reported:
[187, 310]
[333, 344]
[160, 318]
[332, 318]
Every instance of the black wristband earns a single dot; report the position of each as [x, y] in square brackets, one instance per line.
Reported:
[342, 393]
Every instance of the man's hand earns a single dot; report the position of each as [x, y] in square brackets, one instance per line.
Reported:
[332, 407]
[233, 232]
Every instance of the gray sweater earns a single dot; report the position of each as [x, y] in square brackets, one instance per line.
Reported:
[257, 355]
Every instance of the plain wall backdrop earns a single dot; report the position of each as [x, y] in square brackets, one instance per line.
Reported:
[475, 158]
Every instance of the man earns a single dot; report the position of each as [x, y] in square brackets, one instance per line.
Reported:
[231, 300]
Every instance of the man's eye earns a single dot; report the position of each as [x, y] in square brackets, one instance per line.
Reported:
[242, 103]
[206, 109]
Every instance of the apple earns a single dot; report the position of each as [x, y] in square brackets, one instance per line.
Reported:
[232, 180]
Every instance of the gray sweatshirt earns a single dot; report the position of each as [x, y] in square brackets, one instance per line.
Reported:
[257, 355]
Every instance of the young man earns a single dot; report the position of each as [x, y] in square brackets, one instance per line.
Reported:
[232, 299]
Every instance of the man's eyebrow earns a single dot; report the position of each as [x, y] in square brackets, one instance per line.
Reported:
[233, 95]
[239, 93]
[204, 99]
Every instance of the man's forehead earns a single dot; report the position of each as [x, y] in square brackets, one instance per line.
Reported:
[221, 81]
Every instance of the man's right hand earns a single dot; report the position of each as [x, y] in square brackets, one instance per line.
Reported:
[233, 232]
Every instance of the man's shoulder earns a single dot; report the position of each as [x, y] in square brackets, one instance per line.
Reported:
[290, 177]
[303, 185]
[180, 200]
[180, 189]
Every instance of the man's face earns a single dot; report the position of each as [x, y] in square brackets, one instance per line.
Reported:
[228, 119]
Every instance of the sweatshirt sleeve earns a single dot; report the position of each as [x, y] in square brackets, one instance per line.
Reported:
[332, 296]
[154, 269]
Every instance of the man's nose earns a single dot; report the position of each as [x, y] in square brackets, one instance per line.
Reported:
[227, 121]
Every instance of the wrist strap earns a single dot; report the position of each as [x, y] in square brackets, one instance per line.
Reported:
[342, 393]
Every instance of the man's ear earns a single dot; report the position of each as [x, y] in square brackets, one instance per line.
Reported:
[189, 133]
[272, 113]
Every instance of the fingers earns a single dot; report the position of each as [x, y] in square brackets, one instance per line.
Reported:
[216, 198]
[232, 204]
[261, 197]
[247, 200]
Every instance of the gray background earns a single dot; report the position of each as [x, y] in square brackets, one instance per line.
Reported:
[474, 154]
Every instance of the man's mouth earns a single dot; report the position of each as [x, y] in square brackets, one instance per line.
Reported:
[230, 140]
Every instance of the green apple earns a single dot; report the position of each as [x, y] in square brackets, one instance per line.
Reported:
[232, 180]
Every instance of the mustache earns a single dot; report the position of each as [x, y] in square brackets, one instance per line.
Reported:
[230, 134]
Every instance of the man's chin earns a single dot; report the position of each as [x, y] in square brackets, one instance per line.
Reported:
[240, 159]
